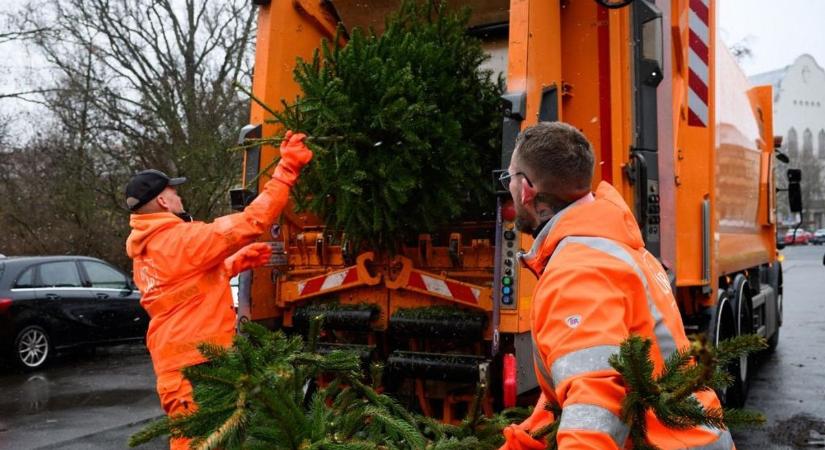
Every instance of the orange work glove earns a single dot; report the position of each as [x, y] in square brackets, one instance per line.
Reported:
[540, 416]
[294, 156]
[253, 255]
[516, 438]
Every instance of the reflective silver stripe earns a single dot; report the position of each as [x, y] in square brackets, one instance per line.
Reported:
[581, 416]
[699, 27]
[539, 362]
[663, 335]
[698, 106]
[582, 361]
[723, 442]
[697, 66]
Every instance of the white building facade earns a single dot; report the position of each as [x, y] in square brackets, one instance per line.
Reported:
[799, 117]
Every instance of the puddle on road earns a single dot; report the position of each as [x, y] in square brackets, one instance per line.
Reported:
[800, 431]
[38, 395]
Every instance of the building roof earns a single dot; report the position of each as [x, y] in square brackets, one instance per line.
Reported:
[774, 77]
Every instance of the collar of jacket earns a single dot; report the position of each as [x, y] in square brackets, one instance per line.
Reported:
[145, 226]
[532, 259]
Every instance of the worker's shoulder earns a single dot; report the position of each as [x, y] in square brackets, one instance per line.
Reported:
[570, 265]
[593, 253]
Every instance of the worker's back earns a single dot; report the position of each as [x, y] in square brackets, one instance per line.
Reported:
[598, 286]
[184, 287]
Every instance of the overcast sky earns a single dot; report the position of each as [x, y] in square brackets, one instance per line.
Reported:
[776, 31]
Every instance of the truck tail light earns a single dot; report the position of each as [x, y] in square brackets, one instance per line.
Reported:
[509, 380]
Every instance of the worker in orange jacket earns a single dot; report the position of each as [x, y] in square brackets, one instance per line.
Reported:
[597, 285]
[182, 268]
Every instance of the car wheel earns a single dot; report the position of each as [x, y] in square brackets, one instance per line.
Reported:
[32, 347]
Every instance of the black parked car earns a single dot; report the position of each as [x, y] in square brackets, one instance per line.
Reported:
[54, 302]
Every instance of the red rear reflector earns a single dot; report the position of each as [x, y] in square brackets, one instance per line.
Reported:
[5, 303]
[509, 380]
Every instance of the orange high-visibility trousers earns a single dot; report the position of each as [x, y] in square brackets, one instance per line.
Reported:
[176, 397]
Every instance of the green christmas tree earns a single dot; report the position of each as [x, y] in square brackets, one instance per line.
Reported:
[262, 394]
[415, 127]
[669, 394]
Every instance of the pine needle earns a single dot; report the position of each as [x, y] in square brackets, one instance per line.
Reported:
[232, 426]
[155, 429]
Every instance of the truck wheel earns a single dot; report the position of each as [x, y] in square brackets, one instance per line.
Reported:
[723, 326]
[737, 393]
[32, 348]
[773, 342]
[775, 280]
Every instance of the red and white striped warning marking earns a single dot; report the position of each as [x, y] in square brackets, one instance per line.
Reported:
[698, 57]
[444, 288]
[326, 282]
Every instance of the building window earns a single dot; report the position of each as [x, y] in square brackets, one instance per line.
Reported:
[793, 146]
[821, 144]
[807, 144]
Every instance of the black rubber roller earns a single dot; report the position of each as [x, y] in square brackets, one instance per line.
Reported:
[336, 317]
[441, 323]
[435, 366]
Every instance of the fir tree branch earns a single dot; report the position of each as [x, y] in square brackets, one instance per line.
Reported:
[232, 426]
[276, 141]
[255, 98]
[155, 429]
[743, 418]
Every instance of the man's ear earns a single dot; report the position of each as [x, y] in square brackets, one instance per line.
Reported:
[528, 193]
[161, 201]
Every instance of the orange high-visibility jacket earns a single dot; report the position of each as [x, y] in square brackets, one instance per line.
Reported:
[178, 267]
[597, 286]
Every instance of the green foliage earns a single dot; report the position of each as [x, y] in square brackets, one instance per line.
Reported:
[418, 121]
[669, 395]
[261, 394]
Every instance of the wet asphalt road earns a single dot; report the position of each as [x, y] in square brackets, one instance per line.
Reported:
[80, 401]
[90, 402]
[789, 385]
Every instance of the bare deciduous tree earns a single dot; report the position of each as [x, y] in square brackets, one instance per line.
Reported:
[135, 84]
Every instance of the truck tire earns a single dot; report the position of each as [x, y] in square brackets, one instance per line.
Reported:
[775, 281]
[737, 393]
[723, 326]
[773, 342]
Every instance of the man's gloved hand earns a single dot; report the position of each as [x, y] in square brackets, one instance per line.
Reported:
[516, 438]
[253, 255]
[294, 156]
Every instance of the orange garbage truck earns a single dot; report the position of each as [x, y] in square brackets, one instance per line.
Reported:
[676, 127]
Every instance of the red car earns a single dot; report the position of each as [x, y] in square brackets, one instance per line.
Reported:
[802, 237]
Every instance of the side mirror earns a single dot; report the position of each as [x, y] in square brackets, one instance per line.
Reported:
[794, 190]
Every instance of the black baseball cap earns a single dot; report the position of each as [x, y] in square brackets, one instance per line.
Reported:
[146, 185]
